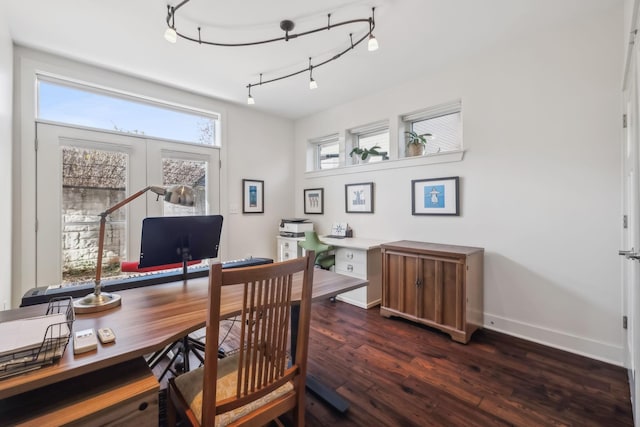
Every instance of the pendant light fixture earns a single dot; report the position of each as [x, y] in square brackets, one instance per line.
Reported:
[172, 34]
[312, 83]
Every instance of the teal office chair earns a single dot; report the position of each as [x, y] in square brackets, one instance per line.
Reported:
[312, 243]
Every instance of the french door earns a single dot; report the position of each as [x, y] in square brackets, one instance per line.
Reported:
[83, 172]
[631, 226]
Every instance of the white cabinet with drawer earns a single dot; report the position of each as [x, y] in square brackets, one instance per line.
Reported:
[288, 248]
[359, 258]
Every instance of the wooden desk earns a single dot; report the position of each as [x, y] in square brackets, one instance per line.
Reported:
[149, 319]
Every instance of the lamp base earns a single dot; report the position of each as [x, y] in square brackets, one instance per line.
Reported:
[93, 303]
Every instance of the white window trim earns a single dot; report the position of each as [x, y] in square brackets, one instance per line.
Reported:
[405, 162]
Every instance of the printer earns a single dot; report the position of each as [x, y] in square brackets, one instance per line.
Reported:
[294, 227]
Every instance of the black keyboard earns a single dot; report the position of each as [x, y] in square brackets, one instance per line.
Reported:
[44, 294]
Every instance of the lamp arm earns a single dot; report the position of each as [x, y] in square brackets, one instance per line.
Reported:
[103, 219]
[157, 190]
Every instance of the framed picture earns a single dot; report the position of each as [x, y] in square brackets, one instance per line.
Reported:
[359, 197]
[252, 196]
[438, 196]
[314, 200]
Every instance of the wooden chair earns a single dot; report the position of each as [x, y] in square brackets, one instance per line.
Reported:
[258, 383]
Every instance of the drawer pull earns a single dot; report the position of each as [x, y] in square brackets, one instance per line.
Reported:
[349, 255]
[349, 268]
[286, 245]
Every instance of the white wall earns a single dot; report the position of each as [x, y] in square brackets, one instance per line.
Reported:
[6, 97]
[540, 179]
[259, 148]
[254, 145]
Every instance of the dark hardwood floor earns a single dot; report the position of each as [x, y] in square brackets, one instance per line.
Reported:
[396, 373]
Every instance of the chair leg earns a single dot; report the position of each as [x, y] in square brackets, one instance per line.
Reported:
[298, 411]
[171, 409]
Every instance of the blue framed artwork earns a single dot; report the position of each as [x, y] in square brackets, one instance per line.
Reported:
[436, 196]
[252, 196]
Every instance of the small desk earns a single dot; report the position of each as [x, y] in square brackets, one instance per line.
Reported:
[361, 258]
[149, 319]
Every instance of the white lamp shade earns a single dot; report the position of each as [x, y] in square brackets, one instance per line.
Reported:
[373, 43]
[313, 84]
[171, 35]
[250, 100]
[180, 195]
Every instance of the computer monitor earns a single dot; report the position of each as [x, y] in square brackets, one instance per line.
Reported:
[168, 240]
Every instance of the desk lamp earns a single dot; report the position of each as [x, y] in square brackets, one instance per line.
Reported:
[101, 301]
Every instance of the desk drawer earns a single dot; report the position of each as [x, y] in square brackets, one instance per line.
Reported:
[288, 254]
[352, 262]
[124, 395]
[351, 256]
[351, 269]
[288, 248]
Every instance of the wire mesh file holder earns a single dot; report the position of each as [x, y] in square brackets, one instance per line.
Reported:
[54, 341]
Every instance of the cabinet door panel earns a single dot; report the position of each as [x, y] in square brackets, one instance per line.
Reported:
[451, 294]
[401, 277]
[429, 278]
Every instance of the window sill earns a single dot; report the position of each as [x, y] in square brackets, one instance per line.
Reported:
[405, 162]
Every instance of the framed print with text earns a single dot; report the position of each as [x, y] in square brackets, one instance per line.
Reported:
[437, 196]
[359, 198]
[252, 196]
[314, 200]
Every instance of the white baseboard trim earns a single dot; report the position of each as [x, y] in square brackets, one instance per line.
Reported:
[598, 350]
[358, 303]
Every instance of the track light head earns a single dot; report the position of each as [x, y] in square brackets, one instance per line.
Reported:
[250, 100]
[373, 43]
[170, 35]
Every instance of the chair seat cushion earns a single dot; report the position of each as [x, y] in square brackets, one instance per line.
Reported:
[190, 386]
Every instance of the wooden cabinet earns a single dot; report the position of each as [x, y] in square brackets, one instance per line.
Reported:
[288, 248]
[433, 284]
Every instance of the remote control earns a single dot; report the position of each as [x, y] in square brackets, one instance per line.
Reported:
[84, 340]
[106, 335]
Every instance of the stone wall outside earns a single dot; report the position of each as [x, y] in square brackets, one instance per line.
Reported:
[81, 227]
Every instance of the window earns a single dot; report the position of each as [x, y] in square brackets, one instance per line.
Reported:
[326, 152]
[443, 122]
[370, 136]
[66, 102]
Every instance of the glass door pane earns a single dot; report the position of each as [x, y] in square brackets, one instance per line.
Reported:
[171, 163]
[92, 181]
[192, 173]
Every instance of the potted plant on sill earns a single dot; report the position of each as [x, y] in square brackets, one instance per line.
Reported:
[364, 154]
[416, 143]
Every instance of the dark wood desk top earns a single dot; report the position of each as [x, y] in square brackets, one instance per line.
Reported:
[148, 319]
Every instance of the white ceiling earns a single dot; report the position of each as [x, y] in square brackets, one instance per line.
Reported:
[415, 37]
